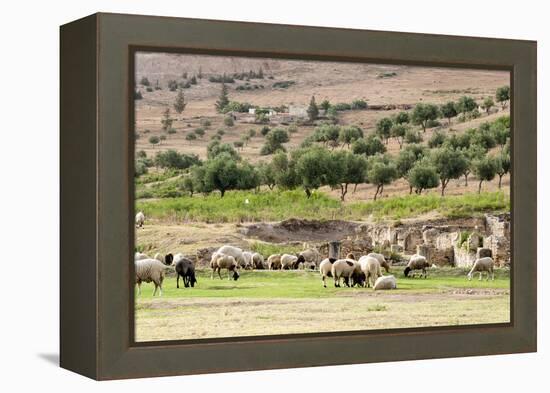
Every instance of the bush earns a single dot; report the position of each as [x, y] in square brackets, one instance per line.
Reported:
[292, 128]
[154, 140]
[228, 121]
[341, 106]
[235, 106]
[144, 81]
[413, 137]
[437, 140]
[221, 79]
[238, 144]
[220, 132]
[191, 136]
[140, 168]
[206, 123]
[138, 95]
[199, 132]
[149, 89]
[171, 131]
[358, 104]
[265, 130]
[283, 84]
[173, 160]
[172, 85]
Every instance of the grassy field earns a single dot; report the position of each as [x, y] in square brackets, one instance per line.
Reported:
[280, 205]
[279, 302]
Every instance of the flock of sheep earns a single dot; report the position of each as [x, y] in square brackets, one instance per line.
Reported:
[364, 272]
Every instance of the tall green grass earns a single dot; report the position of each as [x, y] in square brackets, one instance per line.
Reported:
[279, 205]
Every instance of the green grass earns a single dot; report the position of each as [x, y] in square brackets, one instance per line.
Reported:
[279, 205]
[307, 284]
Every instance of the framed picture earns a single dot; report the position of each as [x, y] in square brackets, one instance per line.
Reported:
[242, 196]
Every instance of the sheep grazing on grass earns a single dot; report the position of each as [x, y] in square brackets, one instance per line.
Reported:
[166, 259]
[235, 252]
[186, 269]
[138, 256]
[311, 257]
[382, 259]
[140, 219]
[325, 269]
[150, 270]
[370, 266]
[221, 261]
[274, 262]
[258, 261]
[349, 270]
[481, 265]
[417, 262]
[289, 261]
[248, 263]
[385, 282]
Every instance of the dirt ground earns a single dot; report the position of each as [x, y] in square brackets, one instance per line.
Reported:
[181, 319]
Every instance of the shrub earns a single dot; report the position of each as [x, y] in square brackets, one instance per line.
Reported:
[144, 81]
[283, 84]
[359, 104]
[138, 95]
[172, 85]
[171, 131]
[437, 140]
[238, 144]
[220, 132]
[173, 160]
[206, 123]
[149, 89]
[199, 132]
[191, 136]
[221, 79]
[412, 136]
[154, 140]
[293, 128]
[265, 130]
[341, 106]
[228, 121]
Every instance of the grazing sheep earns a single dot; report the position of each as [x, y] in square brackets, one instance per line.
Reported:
[311, 256]
[370, 266]
[289, 261]
[148, 270]
[222, 261]
[274, 262]
[417, 262]
[381, 259]
[349, 270]
[258, 261]
[140, 219]
[235, 252]
[186, 269]
[481, 265]
[385, 282]
[139, 255]
[248, 264]
[166, 259]
[325, 269]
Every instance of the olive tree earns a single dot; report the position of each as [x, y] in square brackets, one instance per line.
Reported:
[485, 169]
[466, 105]
[449, 164]
[312, 168]
[368, 146]
[406, 159]
[448, 110]
[423, 176]
[503, 95]
[383, 128]
[349, 134]
[503, 165]
[487, 104]
[424, 113]
[398, 131]
[380, 171]
[350, 169]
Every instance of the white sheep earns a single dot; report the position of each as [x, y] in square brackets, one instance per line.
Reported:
[311, 257]
[258, 261]
[274, 262]
[325, 269]
[221, 261]
[481, 265]
[148, 270]
[349, 270]
[289, 261]
[235, 252]
[138, 256]
[385, 282]
[417, 262]
[248, 263]
[140, 219]
[382, 259]
[370, 266]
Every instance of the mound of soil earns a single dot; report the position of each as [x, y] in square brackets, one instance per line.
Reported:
[300, 230]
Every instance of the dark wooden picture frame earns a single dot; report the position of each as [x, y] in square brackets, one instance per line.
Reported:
[97, 196]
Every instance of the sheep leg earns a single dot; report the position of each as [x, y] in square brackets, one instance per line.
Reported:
[178, 280]
[220, 272]
[160, 290]
[480, 275]
[139, 288]
[492, 275]
[155, 291]
[324, 279]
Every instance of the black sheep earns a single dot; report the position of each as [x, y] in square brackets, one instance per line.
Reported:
[186, 269]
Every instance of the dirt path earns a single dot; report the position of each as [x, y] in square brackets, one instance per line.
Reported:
[162, 319]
